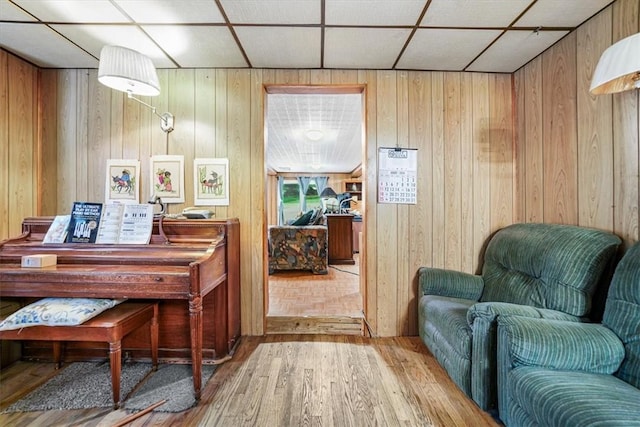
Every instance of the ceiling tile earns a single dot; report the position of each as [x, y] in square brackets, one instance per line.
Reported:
[445, 49]
[43, 47]
[93, 11]
[272, 11]
[217, 47]
[514, 49]
[171, 11]
[352, 47]
[465, 13]
[11, 12]
[373, 12]
[565, 13]
[281, 47]
[94, 37]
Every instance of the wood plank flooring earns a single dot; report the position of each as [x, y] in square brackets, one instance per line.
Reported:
[293, 380]
[302, 302]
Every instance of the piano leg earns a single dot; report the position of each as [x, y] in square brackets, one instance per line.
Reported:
[195, 324]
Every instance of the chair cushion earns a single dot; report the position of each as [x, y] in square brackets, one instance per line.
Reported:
[573, 398]
[57, 312]
[547, 266]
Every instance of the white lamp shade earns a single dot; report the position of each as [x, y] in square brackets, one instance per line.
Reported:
[129, 71]
[619, 67]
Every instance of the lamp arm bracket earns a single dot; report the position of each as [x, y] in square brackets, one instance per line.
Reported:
[166, 119]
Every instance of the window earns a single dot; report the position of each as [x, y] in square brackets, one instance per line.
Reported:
[292, 202]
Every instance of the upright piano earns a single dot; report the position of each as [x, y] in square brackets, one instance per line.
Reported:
[192, 267]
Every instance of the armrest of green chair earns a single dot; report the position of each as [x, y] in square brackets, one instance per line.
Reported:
[449, 283]
[553, 344]
[482, 317]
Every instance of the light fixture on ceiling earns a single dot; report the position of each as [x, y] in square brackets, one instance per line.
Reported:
[618, 68]
[314, 134]
[130, 71]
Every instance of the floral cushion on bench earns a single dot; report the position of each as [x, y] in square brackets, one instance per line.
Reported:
[57, 312]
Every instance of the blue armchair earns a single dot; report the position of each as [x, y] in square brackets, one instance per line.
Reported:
[535, 270]
[555, 373]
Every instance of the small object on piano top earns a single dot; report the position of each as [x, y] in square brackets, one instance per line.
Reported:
[39, 260]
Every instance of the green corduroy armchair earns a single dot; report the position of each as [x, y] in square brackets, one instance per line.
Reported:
[555, 373]
[536, 270]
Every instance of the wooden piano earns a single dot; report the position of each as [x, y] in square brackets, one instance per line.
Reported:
[192, 267]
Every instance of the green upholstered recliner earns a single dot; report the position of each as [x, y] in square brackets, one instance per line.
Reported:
[554, 373]
[537, 270]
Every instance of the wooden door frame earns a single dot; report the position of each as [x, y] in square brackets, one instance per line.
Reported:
[269, 89]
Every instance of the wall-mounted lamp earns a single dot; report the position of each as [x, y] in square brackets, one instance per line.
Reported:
[619, 67]
[129, 71]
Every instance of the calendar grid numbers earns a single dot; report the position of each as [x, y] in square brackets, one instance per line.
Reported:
[397, 175]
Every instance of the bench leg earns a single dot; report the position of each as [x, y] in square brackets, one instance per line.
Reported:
[154, 337]
[57, 353]
[115, 353]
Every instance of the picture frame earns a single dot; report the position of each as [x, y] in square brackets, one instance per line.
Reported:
[122, 181]
[211, 182]
[167, 178]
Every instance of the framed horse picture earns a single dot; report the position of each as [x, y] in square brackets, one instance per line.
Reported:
[122, 181]
[211, 182]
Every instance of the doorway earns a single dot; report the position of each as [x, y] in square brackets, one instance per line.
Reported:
[314, 140]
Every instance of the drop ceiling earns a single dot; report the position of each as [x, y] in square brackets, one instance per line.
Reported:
[448, 35]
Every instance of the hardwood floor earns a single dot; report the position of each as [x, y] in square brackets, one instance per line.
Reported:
[292, 380]
[302, 302]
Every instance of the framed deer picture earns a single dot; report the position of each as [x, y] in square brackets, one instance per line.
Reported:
[122, 181]
[211, 182]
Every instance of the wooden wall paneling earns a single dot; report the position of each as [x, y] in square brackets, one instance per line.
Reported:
[404, 281]
[452, 172]
[420, 222]
[98, 120]
[466, 173]
[595, 139]
[370, 79]
[67, 172]
[287, 77]
[21, 143]
[501, 151]
[625, 135]
[438, 168]
[204, 114]
[320, 77]
[220, 128]
[182, 141]
[533, 142]
[560, 139]
[256, 191]
[519, 145]
[4, 144]
[47, 182]
[387, 214]
[240, 164]
[339, 77]
[481, 166]
[82, 138]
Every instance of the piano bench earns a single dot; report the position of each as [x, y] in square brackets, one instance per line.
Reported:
[111, 326]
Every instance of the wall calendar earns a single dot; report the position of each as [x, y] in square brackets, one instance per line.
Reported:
[397, 175]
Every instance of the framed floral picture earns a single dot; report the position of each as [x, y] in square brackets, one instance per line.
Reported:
[167, 178]
[122, 181]
[211, 182]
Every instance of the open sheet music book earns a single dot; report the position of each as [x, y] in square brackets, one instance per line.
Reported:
[126, 224]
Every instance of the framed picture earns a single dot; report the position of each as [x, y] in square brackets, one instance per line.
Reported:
[122, 181]
[167, 178]
[211, 182]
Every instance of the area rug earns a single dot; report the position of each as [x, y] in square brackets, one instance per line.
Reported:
[83, 385]
[173, 383]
